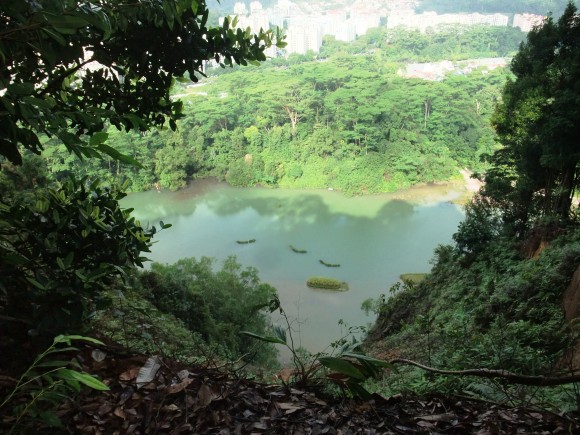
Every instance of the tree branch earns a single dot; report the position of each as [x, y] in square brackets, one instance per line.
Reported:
[539, 381]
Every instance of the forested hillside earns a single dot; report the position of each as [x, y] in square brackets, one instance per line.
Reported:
[501, 296]
[83, 106]
[345, 119]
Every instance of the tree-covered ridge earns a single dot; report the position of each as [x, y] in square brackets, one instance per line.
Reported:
[346, 120]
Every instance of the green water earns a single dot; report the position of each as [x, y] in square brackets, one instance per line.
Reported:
[373, 238]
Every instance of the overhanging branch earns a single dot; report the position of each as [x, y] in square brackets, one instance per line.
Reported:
[538, 381]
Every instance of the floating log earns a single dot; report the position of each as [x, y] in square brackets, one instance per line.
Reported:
[245, 242]
[328, 264]
[298, 251]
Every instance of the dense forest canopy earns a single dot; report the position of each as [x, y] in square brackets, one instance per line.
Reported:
[345, 119]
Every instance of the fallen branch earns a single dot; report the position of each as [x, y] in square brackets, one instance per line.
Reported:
[539, 381]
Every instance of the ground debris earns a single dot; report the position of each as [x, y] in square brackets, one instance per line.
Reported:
[180, 400]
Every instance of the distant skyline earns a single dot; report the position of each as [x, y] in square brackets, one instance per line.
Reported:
[305, 24]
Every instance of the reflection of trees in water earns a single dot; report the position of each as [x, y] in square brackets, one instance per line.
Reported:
[291, 212]
[309, 210]
[395, 213]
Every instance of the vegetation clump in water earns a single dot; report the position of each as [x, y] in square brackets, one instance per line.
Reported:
[326, 283]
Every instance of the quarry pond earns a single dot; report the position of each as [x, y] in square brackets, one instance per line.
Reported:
[373, 238]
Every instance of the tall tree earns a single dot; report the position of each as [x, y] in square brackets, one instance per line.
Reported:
[67, 69]
[536, 172]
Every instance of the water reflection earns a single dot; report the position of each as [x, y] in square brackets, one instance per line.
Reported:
[374, 239]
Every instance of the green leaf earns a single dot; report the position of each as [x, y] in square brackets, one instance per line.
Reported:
[113, 153]
[48, 103]
[10, 151]
[280, 333]
[50, 419]
[20, 89]
[98, 138]
[266, 338]
[61, 350]
[66, 23]
[69, 338]
[53, 363]
[341, 366]
[373, 361]
[54, 35]
[35, 283]
[357, 390]
[14, 259]
[83, 378]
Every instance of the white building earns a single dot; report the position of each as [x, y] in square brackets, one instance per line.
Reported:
[526, 22]
[303, 37]
[255, 7]
[363, 22]
[240, 9]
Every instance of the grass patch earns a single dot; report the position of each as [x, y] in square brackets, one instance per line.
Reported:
[413, 278]
[326, 283]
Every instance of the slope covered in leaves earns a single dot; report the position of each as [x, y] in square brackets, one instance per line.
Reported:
[199, 399]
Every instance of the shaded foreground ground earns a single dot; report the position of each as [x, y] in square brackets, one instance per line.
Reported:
[200, 400]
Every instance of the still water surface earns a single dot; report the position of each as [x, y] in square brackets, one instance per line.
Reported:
[373, 238]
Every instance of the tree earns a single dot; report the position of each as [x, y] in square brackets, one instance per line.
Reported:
[68, 68]
[537, 122]
[71, 66]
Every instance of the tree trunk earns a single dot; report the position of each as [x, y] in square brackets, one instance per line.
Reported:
[566, 192]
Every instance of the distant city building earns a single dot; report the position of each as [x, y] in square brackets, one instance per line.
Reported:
[433, 20]
[303, 37]
[286, 8]
[363, 22]
[240, 9]
[526, 22]
[335, 23]
[305, 23]
[255, 7]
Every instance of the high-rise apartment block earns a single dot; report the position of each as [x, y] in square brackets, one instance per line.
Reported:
[526, 22]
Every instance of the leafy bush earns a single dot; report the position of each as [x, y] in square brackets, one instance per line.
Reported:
[45, 385]
[215, 305]
[137, 324]
[497, 311]
[61, 251]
